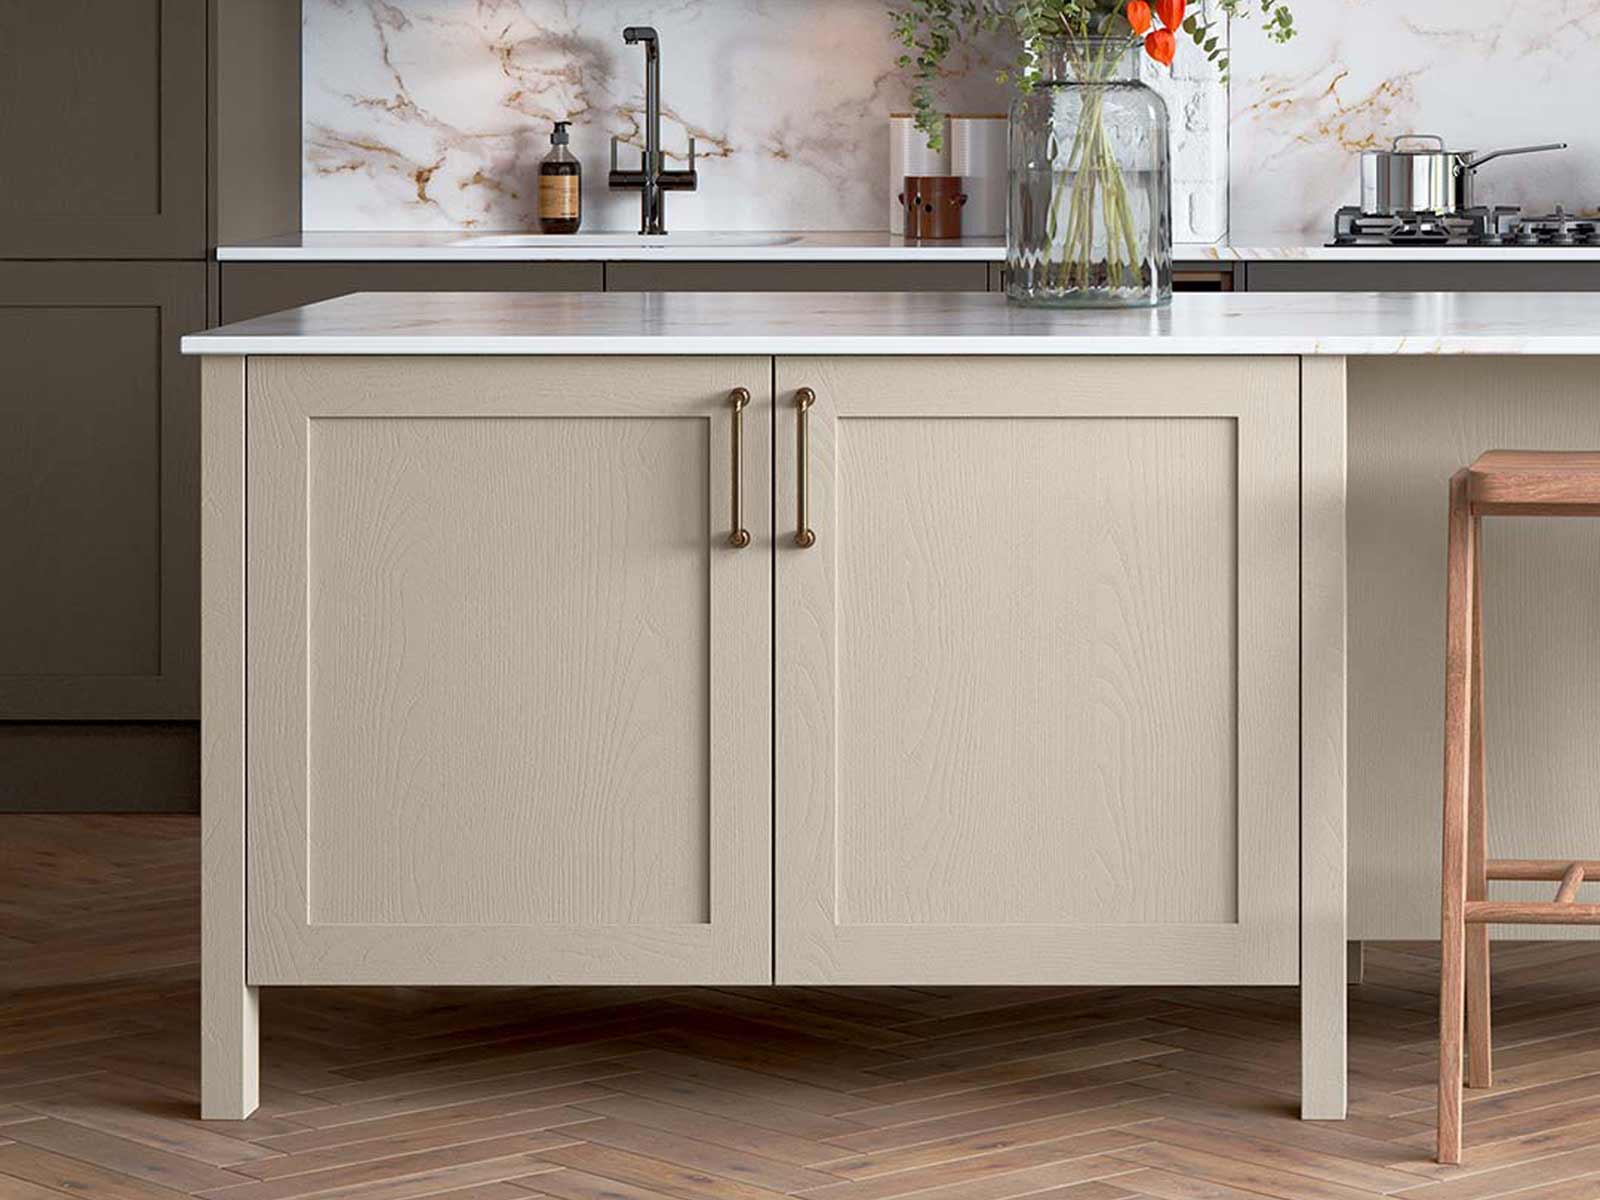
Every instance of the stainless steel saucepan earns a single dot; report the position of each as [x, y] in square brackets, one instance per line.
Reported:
[1425, 180]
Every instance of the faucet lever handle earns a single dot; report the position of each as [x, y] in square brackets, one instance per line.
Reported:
[613, 153]
[691, 152]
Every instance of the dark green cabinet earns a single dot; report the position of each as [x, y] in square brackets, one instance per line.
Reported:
[104, 137]
[1422, 275]
[111, 194]
[99, 492]
[889, 276]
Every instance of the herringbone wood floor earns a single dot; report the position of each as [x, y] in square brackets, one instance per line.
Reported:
[732, 1094]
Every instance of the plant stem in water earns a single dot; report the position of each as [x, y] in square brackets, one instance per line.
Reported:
[1091, 185]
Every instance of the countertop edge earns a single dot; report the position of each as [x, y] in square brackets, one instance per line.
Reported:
[927, 324]
[847, 248]
[987, 346]
[262, 254]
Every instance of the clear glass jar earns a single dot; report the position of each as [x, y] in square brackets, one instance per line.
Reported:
[1090, 221]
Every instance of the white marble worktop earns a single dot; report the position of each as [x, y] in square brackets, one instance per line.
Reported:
[1307, 323]
[462, 246]
[687, 246]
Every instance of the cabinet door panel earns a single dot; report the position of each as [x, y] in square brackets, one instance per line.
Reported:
[98, 491]
[110, 159]
[1037, 677]
[507, 677]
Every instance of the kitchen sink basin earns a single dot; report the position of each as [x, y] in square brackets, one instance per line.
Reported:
[664, 241]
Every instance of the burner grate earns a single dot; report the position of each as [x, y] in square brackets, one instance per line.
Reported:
[1483, 226]
[1559, 228]
[1480, 226]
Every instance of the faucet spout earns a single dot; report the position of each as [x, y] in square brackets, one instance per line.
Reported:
[651, 179]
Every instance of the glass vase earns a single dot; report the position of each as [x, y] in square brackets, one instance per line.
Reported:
[1090, 221]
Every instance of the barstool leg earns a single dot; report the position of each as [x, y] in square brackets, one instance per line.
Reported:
[1457, 746]
[1480, 1073]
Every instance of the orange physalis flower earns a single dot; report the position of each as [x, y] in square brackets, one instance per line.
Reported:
[1170, 12]
[1161, 46]
[1139, 16]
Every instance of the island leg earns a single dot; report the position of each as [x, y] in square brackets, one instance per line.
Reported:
[229, 1060]
[1323, 962]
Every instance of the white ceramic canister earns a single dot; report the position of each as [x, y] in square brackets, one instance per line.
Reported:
[978, 154]
[909, 155]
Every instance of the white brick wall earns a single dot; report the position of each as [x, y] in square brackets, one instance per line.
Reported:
[1197, 101]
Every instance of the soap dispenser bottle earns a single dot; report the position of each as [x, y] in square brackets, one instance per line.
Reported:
[560, 185]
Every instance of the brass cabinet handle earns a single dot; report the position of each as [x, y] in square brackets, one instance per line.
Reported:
[739, 398]
[804, 536]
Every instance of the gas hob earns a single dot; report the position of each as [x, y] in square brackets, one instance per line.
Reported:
[1483, 226]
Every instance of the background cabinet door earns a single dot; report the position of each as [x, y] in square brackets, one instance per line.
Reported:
[509, 686]
[1037, 679]
[866, 276]
[99, 545]
[104, 139]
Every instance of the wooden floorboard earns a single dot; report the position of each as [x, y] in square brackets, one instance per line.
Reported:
[734, 1093]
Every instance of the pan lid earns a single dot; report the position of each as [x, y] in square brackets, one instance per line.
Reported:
[1438, 147]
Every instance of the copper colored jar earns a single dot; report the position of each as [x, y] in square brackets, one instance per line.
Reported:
[933, 206]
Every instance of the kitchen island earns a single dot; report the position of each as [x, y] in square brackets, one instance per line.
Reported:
[825, 639]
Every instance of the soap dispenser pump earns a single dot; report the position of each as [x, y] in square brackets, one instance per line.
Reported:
[560, 185]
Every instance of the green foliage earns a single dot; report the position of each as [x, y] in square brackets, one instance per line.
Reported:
[930, 29]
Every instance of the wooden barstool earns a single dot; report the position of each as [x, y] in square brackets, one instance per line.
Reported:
[1510, 483]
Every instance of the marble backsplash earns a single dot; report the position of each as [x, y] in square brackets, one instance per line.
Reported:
[1482, 74]
[433, 114]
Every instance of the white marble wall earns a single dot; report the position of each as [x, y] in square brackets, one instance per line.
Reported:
[433, 114]
[1480, 73]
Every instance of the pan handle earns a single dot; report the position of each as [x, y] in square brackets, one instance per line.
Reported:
[1472, 164]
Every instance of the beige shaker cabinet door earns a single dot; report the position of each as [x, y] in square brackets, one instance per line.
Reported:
[509, 684]
[1037, 671]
